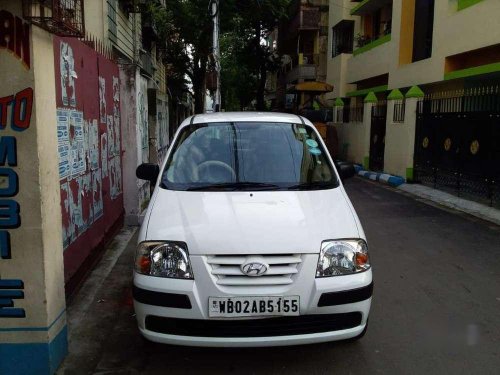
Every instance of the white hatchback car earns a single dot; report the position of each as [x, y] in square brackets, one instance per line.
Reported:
[250, 238]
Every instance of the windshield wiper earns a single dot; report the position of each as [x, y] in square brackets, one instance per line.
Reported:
[236, 186]
[315, 185]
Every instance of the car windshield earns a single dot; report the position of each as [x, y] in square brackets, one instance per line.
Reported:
[248, 156]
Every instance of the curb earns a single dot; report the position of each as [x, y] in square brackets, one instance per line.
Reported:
[381, 177]
[445, 199]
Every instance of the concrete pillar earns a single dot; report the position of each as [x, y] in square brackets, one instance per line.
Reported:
[369, 102]
[135, 120]
[400, 136]
[411, 125]
[33, 334]
[395, 138]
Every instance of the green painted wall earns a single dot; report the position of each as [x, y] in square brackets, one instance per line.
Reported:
[359, 6]
[409, 174]
[396, 94]
[366, 162]
[372, 45]
[365, 92]
[462, 4]
[477, 70]
[415, 92]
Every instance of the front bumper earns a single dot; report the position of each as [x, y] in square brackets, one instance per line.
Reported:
[176, 311]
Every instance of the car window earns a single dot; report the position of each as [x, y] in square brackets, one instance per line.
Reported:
[248, 155]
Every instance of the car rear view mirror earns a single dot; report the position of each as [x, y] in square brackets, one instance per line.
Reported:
[346, 170]
[148, 171]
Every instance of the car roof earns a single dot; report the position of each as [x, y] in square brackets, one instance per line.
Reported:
[245, 117]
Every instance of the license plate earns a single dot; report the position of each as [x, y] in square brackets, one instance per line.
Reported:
[235, 307]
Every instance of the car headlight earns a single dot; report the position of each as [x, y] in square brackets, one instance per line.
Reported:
[342, 257]
[163, 259]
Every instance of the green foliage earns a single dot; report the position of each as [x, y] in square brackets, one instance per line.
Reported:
[238, 81]
[161, 17]
[245, 58]
[245, 61]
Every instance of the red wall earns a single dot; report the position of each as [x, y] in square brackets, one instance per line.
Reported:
[89, 139]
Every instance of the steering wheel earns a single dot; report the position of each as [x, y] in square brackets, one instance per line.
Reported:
[215, 171]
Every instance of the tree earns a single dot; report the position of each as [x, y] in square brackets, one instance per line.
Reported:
[252, 21]
[193, 27]
[245, 60]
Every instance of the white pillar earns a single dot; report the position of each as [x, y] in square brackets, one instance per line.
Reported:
[400, 136]
[410, 125]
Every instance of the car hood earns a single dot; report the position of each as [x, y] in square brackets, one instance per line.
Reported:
[251, 222]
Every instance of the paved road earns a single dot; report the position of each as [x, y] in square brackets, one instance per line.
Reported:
[436, 307]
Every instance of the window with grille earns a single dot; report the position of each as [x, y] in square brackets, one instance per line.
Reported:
[399, 112]
[342, 37]
[112, 25]
[60, 17]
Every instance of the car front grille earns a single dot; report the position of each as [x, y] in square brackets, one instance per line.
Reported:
[268, 327]
[227, 269]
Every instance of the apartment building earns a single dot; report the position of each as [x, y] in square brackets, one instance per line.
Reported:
[380, 45]
[302, 40]
[429, 73]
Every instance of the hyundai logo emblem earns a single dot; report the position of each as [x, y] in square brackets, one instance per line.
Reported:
[254, 268]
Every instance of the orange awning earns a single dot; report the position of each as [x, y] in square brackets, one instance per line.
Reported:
[318, 87]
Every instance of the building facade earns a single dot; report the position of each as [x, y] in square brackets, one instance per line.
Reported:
[399, 65]
[380, 45]
[302, 41]
[130, 32]
[84, 101]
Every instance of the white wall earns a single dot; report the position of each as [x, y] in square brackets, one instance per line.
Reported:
[400, 139]
[371, 63]
[36, 253]
[337, 66]
[337, 75]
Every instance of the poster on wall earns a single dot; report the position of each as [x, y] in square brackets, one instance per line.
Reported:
[97, 194]
[76, 141]
[93, 142]
[63, 143]
[142, 120]
[68, 75]
[66, 215]
[115, 177]
[104, 155]
[102, 99]
[85, 186]
[89, 143]
[116, 90]
[116, 129]
[111, 136]
[75, 208]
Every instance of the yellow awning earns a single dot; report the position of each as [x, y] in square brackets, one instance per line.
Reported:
[319, 87]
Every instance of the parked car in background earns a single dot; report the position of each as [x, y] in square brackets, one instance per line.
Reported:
[250, 238]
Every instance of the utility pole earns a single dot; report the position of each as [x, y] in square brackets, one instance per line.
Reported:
[216, 52]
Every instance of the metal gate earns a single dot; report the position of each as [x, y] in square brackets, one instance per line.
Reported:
[457, 144]
[377, 136]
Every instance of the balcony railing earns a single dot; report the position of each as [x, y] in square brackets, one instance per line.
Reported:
[60, 17]
[305, 19]
[368, 6]
[302, 73]
[372, 44]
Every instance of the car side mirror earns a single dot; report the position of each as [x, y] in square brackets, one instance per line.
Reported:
[346, 170]
[148, 172]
